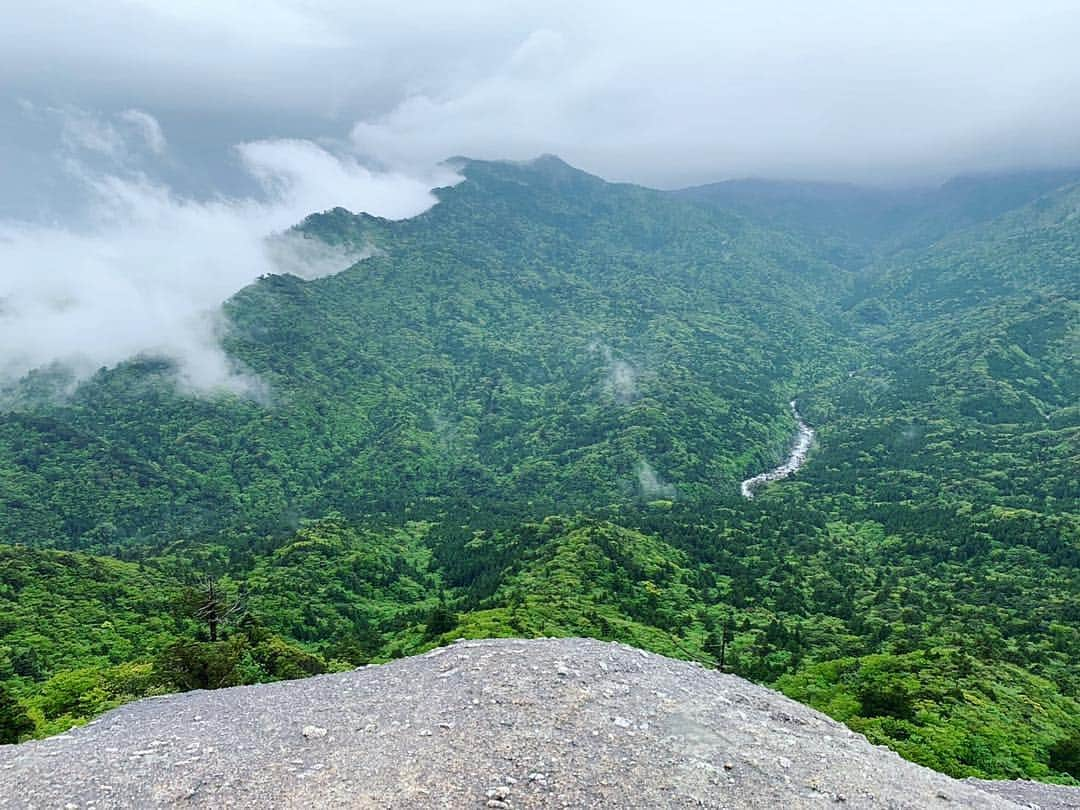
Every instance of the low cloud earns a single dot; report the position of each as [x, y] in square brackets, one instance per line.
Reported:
[309, 258]
[685, 93]
[148, 127]
[652, 485]
[620, 381]
[145, 271]
[667, 94]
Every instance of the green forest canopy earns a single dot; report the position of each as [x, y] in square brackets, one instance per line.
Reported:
[528, 414]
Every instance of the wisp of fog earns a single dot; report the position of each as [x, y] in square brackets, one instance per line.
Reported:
[147, 270]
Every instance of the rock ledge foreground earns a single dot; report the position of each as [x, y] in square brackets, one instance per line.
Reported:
[490, 724]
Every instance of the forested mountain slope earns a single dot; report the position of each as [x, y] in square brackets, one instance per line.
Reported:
[540, 337]
[970, 390]
[528, 412]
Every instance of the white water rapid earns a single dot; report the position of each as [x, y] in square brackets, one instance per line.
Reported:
[796, 458]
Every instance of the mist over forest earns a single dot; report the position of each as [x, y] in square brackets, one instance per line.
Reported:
[748, 336]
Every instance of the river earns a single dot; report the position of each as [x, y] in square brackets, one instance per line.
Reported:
[796, 458]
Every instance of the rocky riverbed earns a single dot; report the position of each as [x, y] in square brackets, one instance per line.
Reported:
[804, 437]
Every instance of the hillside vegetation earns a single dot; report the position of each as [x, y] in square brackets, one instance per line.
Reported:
[528, 413]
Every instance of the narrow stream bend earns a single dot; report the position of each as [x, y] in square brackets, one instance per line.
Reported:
[796, 458]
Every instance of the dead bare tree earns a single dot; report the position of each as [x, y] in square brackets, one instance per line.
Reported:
[217, 606]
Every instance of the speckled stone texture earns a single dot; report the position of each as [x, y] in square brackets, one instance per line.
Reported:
[504, 723]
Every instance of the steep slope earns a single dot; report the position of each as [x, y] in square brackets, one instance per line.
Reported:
[973, 375]
[540, 338]
[488, 723]
[848, 223]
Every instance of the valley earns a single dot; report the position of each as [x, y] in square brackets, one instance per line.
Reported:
[529, 412]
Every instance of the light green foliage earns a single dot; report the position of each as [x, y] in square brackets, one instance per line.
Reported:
[946, 709]
[533, 339]
[71, 697]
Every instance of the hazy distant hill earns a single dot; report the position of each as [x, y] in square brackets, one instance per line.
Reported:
[854, 224]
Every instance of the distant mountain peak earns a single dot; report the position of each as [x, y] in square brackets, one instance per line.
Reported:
[546, 166]
[550, 160]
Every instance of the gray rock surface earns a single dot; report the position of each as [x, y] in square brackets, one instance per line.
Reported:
[489, 724]
[1034, 795]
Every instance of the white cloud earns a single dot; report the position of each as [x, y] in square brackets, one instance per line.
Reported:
[149, 271]
[620, 377]
[307, 176]
[148, 127]
[652, 485]
[689, 92]
[82, 131]
[87, 135]
[309, 258]
[524, 107]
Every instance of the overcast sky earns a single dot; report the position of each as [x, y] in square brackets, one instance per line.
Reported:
[666, 93]
[257, 111]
